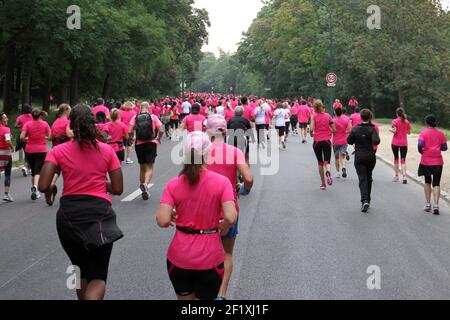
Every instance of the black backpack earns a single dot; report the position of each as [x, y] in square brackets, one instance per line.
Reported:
[144, 127]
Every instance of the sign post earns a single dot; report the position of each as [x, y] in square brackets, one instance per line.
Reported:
[331, 80]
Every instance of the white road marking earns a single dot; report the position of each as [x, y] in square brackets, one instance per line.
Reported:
[135, 194]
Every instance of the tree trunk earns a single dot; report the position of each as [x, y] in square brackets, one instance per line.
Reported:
[46, 91]
[401, 98]
[106, 88]
[27, 71]
[9, 99]
[74, 83]
[61, 93]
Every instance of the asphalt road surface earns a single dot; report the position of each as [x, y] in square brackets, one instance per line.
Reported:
[295, 242]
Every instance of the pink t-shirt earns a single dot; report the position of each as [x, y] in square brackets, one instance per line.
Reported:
[117, 131]
[432, 139]
[228, 114]
[90, 180]
[224, 159]
[103, 127]
[377, 129]
[400, 138]
[156, 126]
[176, 113]
[97, 109]
[322, 131]
[337, 105]
[21, 120]
[126, 116]
[194, 122]
[303, 113]
[59, 127]
[36, 132]
[355, 119]
[248, 112]
[157, 112]
[342, 124]
[198, 207]
[5, 133]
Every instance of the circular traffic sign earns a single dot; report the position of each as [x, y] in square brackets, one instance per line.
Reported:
[331, 78]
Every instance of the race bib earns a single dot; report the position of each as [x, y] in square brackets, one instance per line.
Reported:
[7, 137]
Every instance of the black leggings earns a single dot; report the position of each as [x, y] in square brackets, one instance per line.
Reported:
[322, 149]
[365, 164]
[294, 122]
[399, 152]
[8, 170]
[260, 131]
[36, 162]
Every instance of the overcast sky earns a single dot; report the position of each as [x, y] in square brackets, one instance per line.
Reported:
[230, 18]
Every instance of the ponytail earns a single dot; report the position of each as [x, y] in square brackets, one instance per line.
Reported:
[191, 171]
[36, 114]
[62, 108]
[401, 114]
[115, 115]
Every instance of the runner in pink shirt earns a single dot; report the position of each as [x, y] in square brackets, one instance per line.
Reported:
[100, 107]
[229, 112]
[294, 118]
[227, 161]
[195, 201]
[118, 133]
[86, 222]
[337, 104]
[126, 114]
[322, 129]
[355, 118]
[6, 149]
[401, 128]
[343, 129]
[304, 116]
[194, 122]
[20, 145]
[432, 142]
[36, 132]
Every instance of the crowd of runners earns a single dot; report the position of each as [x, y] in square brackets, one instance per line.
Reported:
[202, 201]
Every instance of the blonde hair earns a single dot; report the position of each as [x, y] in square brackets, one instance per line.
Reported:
[318, 106]
[128, 105]
[115, 114]
[63, 108]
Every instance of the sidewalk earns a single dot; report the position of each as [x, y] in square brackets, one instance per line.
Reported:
[414, 156]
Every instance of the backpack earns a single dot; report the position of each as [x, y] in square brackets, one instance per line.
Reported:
[144, 127]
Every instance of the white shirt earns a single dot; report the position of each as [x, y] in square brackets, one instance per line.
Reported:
[280, 115]
[220, 110]
[186, 106]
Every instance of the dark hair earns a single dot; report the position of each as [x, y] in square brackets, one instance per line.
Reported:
[431, 121]
[101, 117]
[26, 109]
[401, 114]
[100, 101]
[36, 114]
[83, 126]
[192, 170]
[244, 100]
[196, 108]
[1, 115]
[338, 112]
[357, 110]
[366, 115]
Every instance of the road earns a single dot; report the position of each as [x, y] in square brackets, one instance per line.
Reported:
[295, 242]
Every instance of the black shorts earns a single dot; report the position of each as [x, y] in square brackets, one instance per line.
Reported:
[121, 155]
[36, 162]
[288, 125]
[294, 121]
[147, 153]
[204, 284]
[432, 174]
[281, 131]
[174, 124]
[400, 152]
[303, 125]
[322, 149]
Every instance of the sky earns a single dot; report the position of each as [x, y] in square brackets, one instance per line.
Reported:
[230, 18]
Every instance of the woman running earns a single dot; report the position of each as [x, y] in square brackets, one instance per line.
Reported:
[304, 117]
[20, 145]
[6, 149]
[322, 129]
[294, 118]
[126, 114]
[228, 112]
[174, 119]
[287, 119]
[165, 119]
[401, 128]
[260, 120]
[343, 128]
[431, 144]
[36, 133]
[280, 124]
[61, 133]
[365, 137]
[195, 258]
[118, 131]
[86, 223]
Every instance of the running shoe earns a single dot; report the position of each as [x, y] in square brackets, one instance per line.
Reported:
[304, 141]
[436, 210]
[34, 193]
[129, 161]
[329, 178]
[219, 298]
[365, 207]
[145, 194]
[29, 172]
[284, 145]
[338, 175]
[347, 156]
[24, 172]
[7, 197]
[427, 208]
[323, 187]
[396, 179]
[405, 181]
[344, 173]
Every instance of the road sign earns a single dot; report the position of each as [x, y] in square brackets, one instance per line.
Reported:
[331, 78]
[331, 85]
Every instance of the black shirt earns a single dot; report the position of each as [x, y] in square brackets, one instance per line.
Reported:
[364, 137]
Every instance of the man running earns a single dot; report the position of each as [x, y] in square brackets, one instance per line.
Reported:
[6, 148]
[149, 131]
[304, 116]
[240, 132]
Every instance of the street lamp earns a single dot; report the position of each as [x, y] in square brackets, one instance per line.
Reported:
[331, 89]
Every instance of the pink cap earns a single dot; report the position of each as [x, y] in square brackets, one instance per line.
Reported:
[216, 123]
[199, 141]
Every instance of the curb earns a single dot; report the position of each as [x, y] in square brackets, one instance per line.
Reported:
[444, 195]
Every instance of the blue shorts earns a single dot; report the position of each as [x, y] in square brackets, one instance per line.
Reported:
[233, 232]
